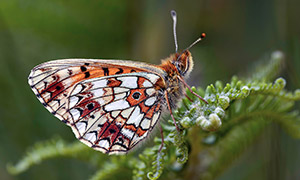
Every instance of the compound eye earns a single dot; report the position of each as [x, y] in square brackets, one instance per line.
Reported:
[180, 67]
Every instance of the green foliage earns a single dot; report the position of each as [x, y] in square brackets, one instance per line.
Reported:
[42, 151]
[217, 132]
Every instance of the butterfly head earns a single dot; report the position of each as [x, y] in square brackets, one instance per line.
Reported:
[183, 62]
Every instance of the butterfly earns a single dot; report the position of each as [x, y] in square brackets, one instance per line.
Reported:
[112, 105]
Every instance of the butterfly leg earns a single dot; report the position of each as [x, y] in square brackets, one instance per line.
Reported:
[187, 96]
[190, 89]
[169, 107]
[162, 138]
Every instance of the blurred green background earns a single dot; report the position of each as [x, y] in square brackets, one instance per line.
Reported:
[239, 33]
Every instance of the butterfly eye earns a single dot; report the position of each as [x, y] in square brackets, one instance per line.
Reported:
[136, 95]
[179, 67]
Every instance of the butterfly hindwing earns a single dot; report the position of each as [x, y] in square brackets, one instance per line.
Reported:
[112, 114]
[109, 107]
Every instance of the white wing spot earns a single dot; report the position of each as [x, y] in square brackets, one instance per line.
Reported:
[117, 148]
[99, 83]
[145, 123]
[36, 73]
[81, 126]
[90, 136]
[128, 133]
[104, 143]
[150, 91]
[152, 77]
[98, 92]
[120, 89]
[114, 114]
[135, 117]
[125, 113]
[102, 120]
[120, 96]
[73, 101]
[117, 105]
[77, 89]
[147, 84]
[75, 113]
[129, 82]
[150, 101]
[155, 118]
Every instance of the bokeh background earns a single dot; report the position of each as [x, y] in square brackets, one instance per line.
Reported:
[239, 34]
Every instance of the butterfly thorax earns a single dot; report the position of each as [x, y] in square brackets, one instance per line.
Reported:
[177, 65]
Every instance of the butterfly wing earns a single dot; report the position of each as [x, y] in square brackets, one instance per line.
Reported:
[110, 107]
[113, 114]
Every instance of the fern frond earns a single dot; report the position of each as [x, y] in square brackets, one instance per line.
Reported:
[116, 167]
[42, 151]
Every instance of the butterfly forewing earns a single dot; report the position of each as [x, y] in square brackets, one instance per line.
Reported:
[109, 107]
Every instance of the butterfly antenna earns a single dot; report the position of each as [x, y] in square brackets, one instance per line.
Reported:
[174, 17]
[195, 42]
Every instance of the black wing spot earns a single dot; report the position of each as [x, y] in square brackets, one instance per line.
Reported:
[45, 84]
[136, 95]
[106, 72]
[108, 82]
[87, 74]
[58, 88]
[90, 106]
[92, 116]
[120, 71]
[132, 70]
[82, 68]
[87, 64]
[112, 131]
[70, 72]
[79, 98]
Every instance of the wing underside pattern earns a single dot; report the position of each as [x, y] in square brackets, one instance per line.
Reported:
[113, 114]
[109, 108]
